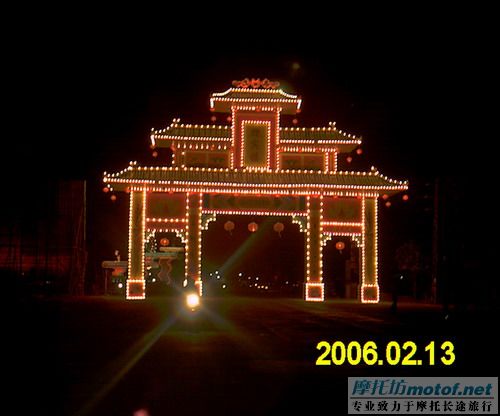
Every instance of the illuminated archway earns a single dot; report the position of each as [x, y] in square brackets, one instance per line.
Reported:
[253, 165]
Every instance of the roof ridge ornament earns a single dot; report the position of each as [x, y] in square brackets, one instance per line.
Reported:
[256, 83]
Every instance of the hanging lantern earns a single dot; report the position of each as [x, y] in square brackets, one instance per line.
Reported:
[388, 204]
[406, 197]
[105, 189]
[229, 119]
[295, 121]
[279, 227]
[154, 154]
[252, 227]
[229, 226]
[113, 198]
[349, 159]
[213, 118]
[164, 242]
[340, 245]
[359, 151]
[385, 197]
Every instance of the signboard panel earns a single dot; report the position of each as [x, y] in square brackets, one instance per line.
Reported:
[342, 209]
[255, 147]
[254, 203]
[160, 205]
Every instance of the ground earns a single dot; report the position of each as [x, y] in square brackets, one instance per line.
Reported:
[107, 356]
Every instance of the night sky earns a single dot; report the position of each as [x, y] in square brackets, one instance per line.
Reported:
[82, 96]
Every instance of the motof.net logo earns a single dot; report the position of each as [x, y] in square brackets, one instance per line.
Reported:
[423, 395]
[394, 387]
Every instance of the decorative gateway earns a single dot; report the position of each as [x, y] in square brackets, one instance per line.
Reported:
[254, 166]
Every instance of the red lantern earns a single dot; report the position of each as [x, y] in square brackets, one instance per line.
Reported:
[359, 151]
[279, 227]
[388, 204]
[164, 242]
[252, 227]
[340, 245]
[295, 121]
[105, 189]
[385, 196]
[154, 154]
[113, 198]
[229, 119]
[213, 118]
[229, 226]
[406, 197]
[349, 159]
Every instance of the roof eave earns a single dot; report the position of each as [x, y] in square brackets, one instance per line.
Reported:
[221, 105]
[278, 190]
[119, 183]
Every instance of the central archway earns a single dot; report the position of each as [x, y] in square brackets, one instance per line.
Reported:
[263, 262]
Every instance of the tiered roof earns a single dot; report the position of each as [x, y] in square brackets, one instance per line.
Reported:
[319, 137]
[254, 95]
[249, 97]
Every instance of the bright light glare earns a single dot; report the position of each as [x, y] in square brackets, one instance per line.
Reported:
[120, 285]
[192, 300]
[184, 283]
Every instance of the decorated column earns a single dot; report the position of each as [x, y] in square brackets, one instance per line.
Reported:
[314, 258]
[136, 234]
[193, 241]
[369, 260]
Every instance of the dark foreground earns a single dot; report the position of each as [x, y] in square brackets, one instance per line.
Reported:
[106, 356]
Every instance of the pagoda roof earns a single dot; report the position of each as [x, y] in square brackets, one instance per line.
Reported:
[223, 101]
[317, 134]
[252, 181]
[320, 137]
[197, 132]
